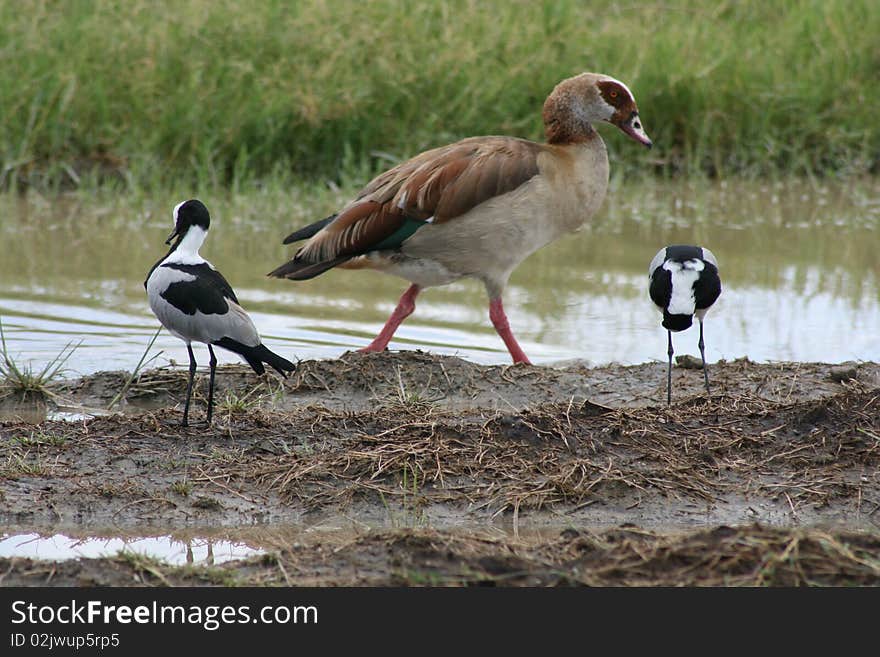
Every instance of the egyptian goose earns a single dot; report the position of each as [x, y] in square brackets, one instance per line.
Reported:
[196, 304]
[683, 284]
[477, 207]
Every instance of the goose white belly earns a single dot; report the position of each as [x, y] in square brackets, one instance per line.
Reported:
[424, 272]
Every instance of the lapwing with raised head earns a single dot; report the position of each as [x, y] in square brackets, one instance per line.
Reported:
[478, 207]
[196, 303]
[684, 283]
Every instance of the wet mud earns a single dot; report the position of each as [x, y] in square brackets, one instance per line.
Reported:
[415, 469]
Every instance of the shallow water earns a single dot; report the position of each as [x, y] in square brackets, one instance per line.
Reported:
[798, 265]
[58, 547]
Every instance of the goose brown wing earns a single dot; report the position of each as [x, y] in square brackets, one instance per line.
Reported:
[436, 186]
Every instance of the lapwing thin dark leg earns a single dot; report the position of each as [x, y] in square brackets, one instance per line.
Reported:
[669, 371]
[189, 386]
[702, 347]
[211, 384]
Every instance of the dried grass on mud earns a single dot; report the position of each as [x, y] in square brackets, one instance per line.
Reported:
[628, 556]
[569, 454]
[429, 445]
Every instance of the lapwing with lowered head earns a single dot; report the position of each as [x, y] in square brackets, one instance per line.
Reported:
[196, 303]
[684, 283]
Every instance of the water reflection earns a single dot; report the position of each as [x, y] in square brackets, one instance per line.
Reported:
[196, 551]
[798, 265]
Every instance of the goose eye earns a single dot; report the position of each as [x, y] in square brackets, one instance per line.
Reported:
[613, 94]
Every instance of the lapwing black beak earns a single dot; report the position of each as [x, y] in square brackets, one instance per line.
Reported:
[171, 236]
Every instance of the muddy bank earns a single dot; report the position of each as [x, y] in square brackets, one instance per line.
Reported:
[397, 447]
[356, 382]
[627, 556]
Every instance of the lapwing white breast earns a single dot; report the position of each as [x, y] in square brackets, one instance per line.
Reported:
[196, 303]
[684, 283]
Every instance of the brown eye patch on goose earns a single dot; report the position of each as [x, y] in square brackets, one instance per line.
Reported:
[619, 98]
[614, 94]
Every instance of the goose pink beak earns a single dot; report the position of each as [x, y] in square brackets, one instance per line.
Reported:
[633, 127]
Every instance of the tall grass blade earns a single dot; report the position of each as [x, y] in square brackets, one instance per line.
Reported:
[141, 364]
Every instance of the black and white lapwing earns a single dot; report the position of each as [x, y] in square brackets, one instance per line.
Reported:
[195, 303]
[684, 283]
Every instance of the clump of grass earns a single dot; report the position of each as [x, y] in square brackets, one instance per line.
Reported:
[412, 498]
[411, 513]
[225, 457]
[226, 93]
[409, 398]
[182, 487]
[38, 439]
[20, 463]
[234, 403]
[23, 380]
[145, 567]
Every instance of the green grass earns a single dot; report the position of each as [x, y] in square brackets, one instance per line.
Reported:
[40, 439]
[204, 93]
[182, 487]
[21, 464]
[24, 381]
[410, 513]
[236, 403]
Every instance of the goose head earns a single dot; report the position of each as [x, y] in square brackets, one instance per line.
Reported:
[578, 102]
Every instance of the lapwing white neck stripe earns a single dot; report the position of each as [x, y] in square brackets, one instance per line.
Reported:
[187, 252]
[177, 210]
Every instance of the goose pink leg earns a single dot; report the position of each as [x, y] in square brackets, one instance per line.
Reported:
[499, 321]
[404, 309]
